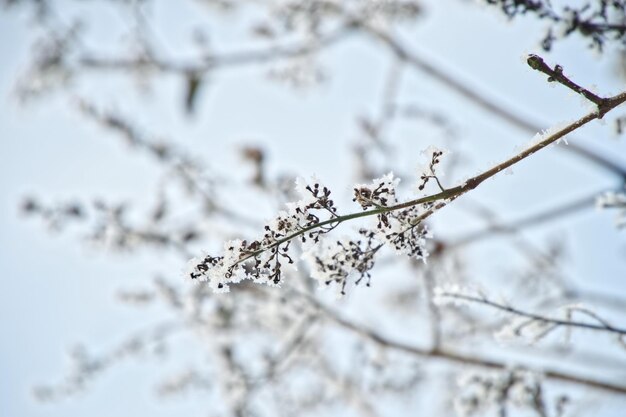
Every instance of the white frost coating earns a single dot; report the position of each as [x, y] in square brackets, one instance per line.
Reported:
[397, 227]
[334, 261]
[442, 294]
[192, 267]
[300, 187]
[265, 257]
[541, 136]
[219, 275]
[511, 331]
[328, 251]
[381, 192]
[424, 169]
[432, 149]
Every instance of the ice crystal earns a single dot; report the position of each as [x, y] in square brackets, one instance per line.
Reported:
[262, 260]
[335, 261]
[381, 193]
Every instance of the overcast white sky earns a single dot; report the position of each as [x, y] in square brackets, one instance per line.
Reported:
[55, 291]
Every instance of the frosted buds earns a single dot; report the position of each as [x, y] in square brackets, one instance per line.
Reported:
[308, 220]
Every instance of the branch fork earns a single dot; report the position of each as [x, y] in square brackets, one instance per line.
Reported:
[556, 75]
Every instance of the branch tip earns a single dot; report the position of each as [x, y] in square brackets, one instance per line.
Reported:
[556, 75]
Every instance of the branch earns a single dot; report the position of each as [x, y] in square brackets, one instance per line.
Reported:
[537, 63]
[494, 108]
[454, 357]
[260, 56]
[230, 267]
[455, 192]
[603, 326]
[214, 61]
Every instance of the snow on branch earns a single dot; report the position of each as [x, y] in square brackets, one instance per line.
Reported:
[399, 225]
[535, 325]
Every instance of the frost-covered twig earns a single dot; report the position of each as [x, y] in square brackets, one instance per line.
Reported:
[556, 75]
[603, 326]
[481, 100]
[300, 221]
[451, 356]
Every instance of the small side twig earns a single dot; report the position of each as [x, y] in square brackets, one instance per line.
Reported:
[602, 326]
[473, 95]
[556, 75]
[451, 356]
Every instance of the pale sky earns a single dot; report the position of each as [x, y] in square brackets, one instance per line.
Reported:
[56, 291]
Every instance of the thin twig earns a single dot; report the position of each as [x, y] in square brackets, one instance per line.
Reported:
[216, 61]
[455, 192]
[481, 100]
[454, 357]
[556, 75]
[603, 326]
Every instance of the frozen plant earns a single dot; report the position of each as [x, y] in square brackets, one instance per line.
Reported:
[285, 348]
[308, 220]
[398, 224]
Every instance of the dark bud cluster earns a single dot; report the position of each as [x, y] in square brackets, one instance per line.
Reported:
[381, 193]
[435, 159]
[403, 231]
[262, 260]
[337, 261]
[600, 21]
